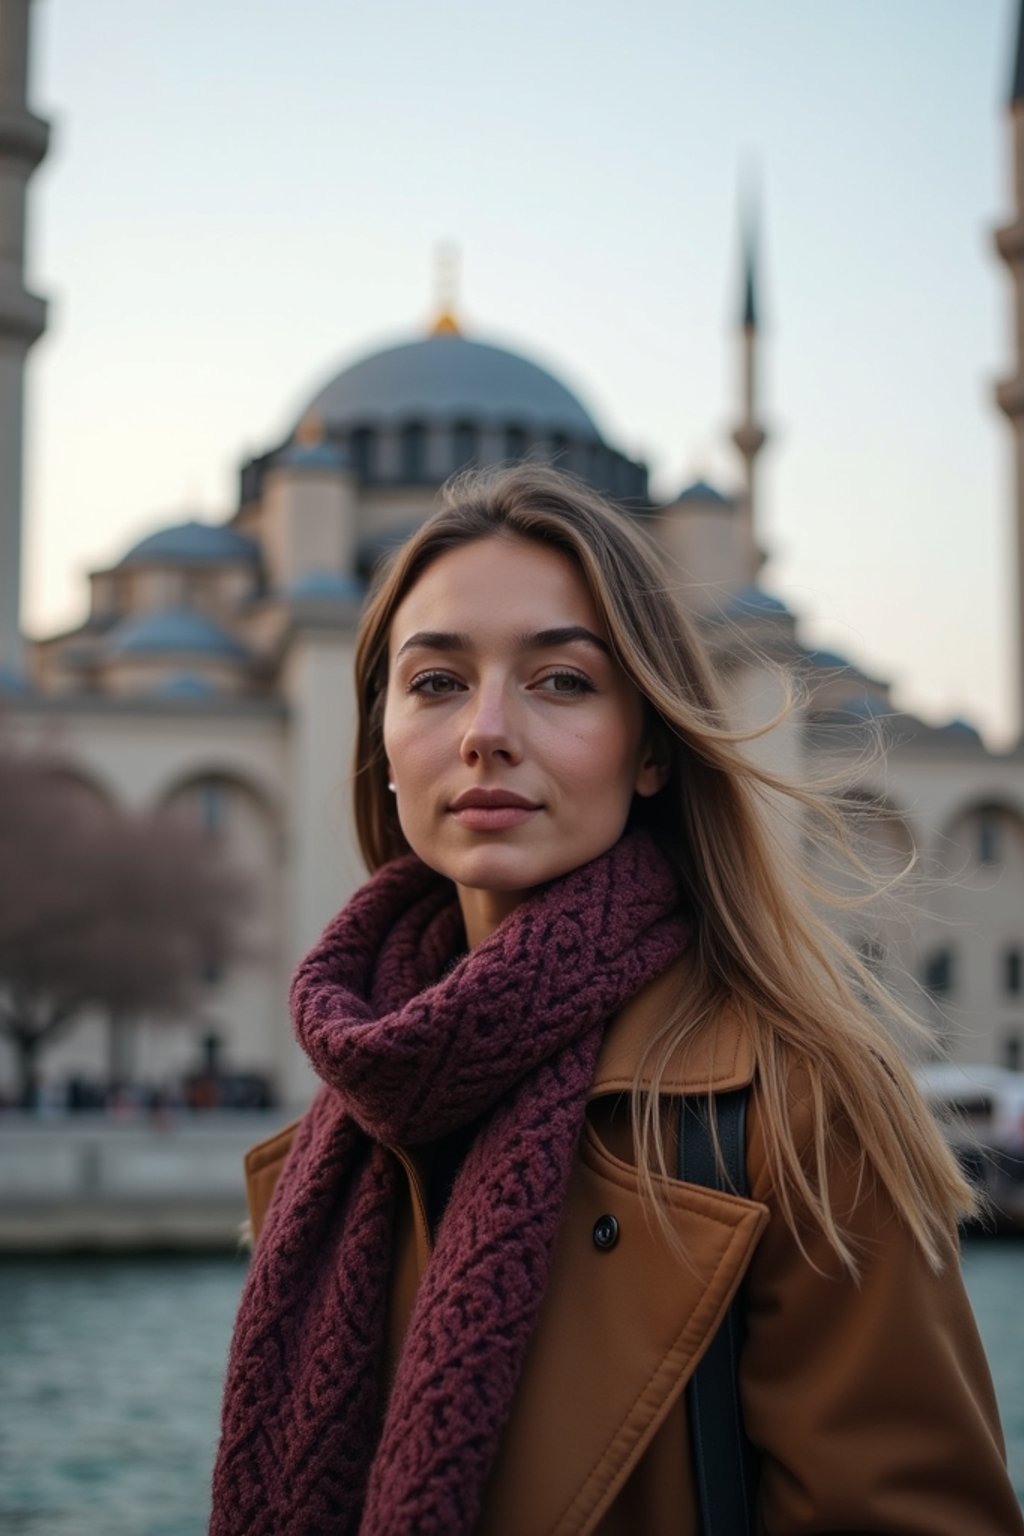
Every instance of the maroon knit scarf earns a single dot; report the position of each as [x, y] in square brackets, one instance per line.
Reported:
[509, 1035]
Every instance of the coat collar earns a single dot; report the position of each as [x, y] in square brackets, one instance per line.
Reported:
[719, 1058]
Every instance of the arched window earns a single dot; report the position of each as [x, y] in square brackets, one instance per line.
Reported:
[938, 971]
[516, 443]
[615, 465]
[988, 837]
[872, 952]
[412, 445]
[465, 444]
[361, 452]
[637, 485]
[213, 806]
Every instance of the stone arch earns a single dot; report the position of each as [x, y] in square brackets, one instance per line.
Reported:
[210, 793]
[881, 834]
[885, 825]
[232, 1021]
[983, 829]
[228, 777]
[97, 794]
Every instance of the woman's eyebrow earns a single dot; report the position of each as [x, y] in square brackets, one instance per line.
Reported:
[549, 639]
[539, 640]
[434, 640]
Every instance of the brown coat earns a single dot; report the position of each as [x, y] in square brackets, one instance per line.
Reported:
[871, 1403]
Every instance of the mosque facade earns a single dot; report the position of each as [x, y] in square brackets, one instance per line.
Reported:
[213, 671]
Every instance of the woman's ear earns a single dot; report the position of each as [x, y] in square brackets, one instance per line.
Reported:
[652, 775]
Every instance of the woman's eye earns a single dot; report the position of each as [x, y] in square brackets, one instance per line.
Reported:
[568, 684]
[434, 685]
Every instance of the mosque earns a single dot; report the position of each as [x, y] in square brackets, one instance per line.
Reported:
[213, 670]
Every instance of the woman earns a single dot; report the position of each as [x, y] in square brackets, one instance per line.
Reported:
[480, 1289]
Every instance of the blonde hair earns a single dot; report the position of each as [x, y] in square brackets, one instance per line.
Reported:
[807, 997]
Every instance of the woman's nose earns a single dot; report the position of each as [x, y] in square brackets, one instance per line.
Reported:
[491, 730]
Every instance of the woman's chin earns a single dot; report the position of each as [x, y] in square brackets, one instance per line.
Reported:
[502, 876]
[505, 868]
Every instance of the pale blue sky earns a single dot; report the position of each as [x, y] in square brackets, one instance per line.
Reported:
[242, 197]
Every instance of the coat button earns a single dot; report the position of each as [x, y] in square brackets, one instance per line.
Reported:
[606, 1232]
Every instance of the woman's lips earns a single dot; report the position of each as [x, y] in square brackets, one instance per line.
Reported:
[492, 810]
[493, 818]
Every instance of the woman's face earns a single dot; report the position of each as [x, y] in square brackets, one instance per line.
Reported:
[513, 737]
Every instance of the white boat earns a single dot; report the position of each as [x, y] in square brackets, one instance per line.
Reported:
[981, 1111]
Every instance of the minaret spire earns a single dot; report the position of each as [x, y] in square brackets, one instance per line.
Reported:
[1017, 86]
[1009, 242]
[749, 436]
[23, 143]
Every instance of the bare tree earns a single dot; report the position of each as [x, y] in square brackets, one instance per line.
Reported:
[100, 908]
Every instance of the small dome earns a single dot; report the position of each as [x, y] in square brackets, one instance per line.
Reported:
[327, 586]
[447, 379]
[192, 543]
[701, 490]
[173, 630]
[379, 545]
[827, 661]
[750, 602]
[13, 682]
[185, 685]
[868, 707]
[962, 728]
[311, 456]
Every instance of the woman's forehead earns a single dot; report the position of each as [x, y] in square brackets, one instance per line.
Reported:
[493, 588]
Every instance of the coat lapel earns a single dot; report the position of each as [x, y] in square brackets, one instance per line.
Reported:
[619, 1334]
[621, 1328]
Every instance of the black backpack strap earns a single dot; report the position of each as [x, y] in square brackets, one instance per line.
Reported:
[724, 1461]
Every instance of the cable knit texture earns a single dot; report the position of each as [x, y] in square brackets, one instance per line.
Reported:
[508, 1037]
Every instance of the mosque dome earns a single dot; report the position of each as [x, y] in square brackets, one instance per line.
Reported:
[408, 416]
[443, 378]
[192, 543]
[173, 631]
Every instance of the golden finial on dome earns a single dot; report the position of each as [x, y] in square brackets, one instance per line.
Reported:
[310, 431]
[446, 278]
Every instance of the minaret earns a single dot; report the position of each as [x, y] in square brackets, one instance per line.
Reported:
[1010, 393]
[23, 143]
[749, 436]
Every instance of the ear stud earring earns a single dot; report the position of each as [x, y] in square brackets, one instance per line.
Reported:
[392, 786]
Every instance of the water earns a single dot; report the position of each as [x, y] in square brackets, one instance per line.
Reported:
[111, 1373]
[112, 1369]
[994, 1274]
